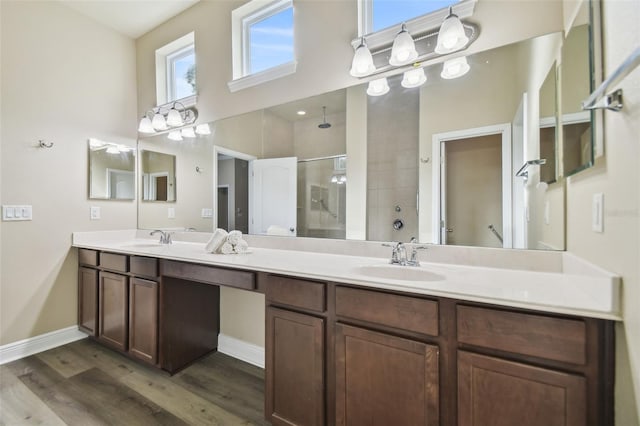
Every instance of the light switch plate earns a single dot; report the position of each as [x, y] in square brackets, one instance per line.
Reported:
[94, 213]
[17, 213]
[597, 213]
[171, 213]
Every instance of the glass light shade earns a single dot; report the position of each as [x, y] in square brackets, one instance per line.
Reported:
[158, 122]
[404, 49]
[174, 119]
[342, 179]
[451, 36]
[145, 125]
[175, 135]
[362, 64]
[414, 78]
[378, 87]
[334, 179]
[203, 129]
[188, 132]
[454, 68]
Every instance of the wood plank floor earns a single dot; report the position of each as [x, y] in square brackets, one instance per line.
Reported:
[83, 383]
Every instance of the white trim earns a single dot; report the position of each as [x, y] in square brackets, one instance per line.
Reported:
[244, 351]
[41, 343]
[439, 138]
[262, 76]
[162, 95]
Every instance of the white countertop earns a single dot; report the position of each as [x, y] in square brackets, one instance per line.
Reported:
[579, 289]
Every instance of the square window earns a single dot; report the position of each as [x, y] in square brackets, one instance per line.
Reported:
[262, 42]
[269, 40]
[181, 74]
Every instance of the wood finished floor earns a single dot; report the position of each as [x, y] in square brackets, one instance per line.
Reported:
[83, 383]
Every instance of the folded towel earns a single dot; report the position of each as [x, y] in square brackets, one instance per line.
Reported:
[218, 238]
[234, 237]
[241, 247]
[226, 248]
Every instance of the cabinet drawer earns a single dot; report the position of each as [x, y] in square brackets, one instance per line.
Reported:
[296, 292]
[209, 274]
[87, 257]
[114, 262]
[402, 312]
[144, 266]
[558, 339]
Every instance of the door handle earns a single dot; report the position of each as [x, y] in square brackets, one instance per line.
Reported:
[449, 229]
[292, 229]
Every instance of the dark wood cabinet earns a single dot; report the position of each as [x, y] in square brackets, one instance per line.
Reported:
[113, 313]
[88, 300]
[385, 380]
[295, 357]
[143, 319]
[498, 392]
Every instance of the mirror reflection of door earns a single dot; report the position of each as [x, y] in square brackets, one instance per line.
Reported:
[472, 191]
[161, 188]
[233, 193]
[223, 207]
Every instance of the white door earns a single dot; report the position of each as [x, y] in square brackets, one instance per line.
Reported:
[272, 196]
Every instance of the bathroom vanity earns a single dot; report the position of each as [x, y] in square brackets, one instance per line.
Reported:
[349, 348]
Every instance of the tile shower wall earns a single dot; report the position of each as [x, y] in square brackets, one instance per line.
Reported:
[392, 163]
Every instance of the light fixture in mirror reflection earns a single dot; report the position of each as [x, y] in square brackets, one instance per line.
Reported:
[390, 142]
[158, 176]
[111, 170]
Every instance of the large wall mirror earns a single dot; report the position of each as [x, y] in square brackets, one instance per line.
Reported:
[111, 171]
[436, 163]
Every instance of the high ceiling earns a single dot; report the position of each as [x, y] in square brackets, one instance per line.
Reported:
[131, 18]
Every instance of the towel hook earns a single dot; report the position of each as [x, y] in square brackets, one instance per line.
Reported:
[43, 144]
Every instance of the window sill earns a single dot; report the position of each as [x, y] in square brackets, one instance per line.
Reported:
[262, 77]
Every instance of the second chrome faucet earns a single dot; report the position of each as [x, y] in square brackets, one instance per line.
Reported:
[399, 253]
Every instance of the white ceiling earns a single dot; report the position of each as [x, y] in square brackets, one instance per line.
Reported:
[128, 17]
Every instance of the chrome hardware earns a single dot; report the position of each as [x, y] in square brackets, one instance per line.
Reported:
[496, 233]
[398, 224]
[165, 237]
[399, 253]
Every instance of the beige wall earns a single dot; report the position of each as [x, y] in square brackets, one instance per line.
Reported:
[65, 79]
[617, 176]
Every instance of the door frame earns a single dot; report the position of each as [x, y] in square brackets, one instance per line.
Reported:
[231, 153]
[437, 140]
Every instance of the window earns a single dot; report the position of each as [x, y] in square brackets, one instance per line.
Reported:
[176, 71]
[181, 74]
[387, 13]
[263, 43]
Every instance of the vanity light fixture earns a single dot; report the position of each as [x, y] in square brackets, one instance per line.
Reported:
[109, 147]
[167, 117]
[203, 129]
[188, 132]
[339, 179]
[175, 135]
[378, 87]
[404, 50]
[413, 78]
[451, 36]
[301, 112]
[362, 64]
[454, 68]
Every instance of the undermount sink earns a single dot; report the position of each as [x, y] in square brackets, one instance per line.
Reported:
[396, 272]
[142, 245]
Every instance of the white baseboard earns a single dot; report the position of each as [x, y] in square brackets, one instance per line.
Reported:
[242, 350]
[43, 342]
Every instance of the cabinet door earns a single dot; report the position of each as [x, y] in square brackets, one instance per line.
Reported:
[295, 368]
[113, 322]
[385, 380]
[88, 300]
[143, 319]
[497, 392]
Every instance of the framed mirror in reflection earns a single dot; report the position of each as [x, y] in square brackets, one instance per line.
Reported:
[158, 176]
[482, 127]
[111, 171]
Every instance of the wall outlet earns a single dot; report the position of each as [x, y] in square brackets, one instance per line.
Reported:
[597, 213]
[171, 213]
[206, 213]
[94, 213]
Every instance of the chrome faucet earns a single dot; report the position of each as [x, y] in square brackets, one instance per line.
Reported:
[399, 253]
[165, 237]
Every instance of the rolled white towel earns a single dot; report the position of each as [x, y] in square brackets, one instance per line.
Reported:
[218, 238]
[226, 248]
[234, 237]
[241, 247]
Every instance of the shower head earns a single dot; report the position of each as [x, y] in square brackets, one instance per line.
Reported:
[324, 124]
